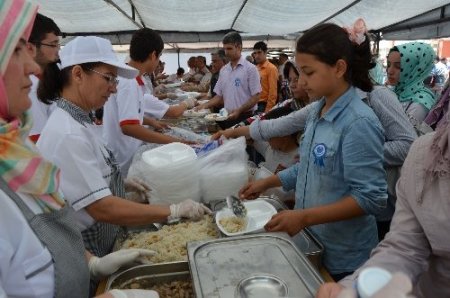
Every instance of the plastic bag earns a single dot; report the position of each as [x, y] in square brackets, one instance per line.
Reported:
[187, 135]
[223, 171]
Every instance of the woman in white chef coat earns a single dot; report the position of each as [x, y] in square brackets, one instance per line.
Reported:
[41, 250]
[90, 176]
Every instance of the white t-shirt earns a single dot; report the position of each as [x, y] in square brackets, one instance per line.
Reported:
[79, 151]
[275, 159]
[124, 107]
[22, 254]
[40, 111]
[154, 107]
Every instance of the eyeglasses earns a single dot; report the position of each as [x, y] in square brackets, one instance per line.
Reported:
[49, 44]
[113, 81]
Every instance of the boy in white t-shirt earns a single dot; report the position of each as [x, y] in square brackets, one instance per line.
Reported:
[124, 119]
[44, 42]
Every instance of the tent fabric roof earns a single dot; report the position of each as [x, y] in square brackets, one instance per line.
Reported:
[208, 20]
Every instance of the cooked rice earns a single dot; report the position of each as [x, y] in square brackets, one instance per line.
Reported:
[170, 241]
[233, 224]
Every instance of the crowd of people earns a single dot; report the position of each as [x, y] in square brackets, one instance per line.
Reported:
[345, 144]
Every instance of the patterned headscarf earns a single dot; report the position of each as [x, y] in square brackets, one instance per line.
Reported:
[416, 62]
[437, 161]
[21, 166]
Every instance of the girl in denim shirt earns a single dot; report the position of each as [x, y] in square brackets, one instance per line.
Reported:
[339, 181]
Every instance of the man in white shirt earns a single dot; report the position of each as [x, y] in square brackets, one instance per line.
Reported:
[238, 87]
[124, 120]
[44, 40]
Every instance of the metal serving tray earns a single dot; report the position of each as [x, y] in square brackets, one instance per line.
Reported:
[262, 265]
[305, 241]
[152, 274]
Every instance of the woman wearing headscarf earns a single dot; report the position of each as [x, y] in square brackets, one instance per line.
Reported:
[408, 65]
[41, 250]
[418, 243]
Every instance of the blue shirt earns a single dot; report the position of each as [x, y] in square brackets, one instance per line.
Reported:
[341, 154]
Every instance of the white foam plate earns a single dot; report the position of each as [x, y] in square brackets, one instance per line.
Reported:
[202, 101]
[193, 113]
[259, 213]
[193, 94]
[215, 117]
[173, 85]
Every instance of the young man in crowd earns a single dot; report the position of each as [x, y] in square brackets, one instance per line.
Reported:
[202, 79]
[269, 78]
[124, 120]
[44, 42]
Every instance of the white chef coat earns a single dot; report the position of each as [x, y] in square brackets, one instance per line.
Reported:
[79, 151]
[40, 111]
[124, 107]
[154, 107]
[22, 254]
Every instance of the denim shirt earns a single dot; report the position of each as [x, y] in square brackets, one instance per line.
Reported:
[341, 155]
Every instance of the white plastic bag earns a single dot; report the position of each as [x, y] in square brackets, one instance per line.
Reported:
[224, 170]
[187, 135]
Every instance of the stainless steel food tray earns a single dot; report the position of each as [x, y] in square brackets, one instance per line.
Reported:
[305, 240]
[219, 266]
[157, 273]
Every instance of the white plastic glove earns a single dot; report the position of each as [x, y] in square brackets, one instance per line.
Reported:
[107, 265]
[188, 209]
[134, 293]
[190, 102]
[137, 185]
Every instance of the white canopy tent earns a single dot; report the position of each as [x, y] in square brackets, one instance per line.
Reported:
[201, 24]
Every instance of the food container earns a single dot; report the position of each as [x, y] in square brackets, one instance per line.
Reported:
[262, 265]
[305, 241]
[259, 212]
[147, 276]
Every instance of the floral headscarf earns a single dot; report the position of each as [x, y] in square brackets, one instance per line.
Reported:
[21, 166]
[416, 62]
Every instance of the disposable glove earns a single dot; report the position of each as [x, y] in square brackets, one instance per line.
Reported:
[138, 186]
[188, 209]
[107, 265]
[134, 294]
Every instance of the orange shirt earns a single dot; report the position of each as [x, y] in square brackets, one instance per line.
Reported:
[269, 79]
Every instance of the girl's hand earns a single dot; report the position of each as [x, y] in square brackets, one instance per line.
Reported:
[252, 190]
[228, 133]
[289, 221]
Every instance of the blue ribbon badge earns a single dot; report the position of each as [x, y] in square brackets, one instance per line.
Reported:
[237, 82]
[319, 152]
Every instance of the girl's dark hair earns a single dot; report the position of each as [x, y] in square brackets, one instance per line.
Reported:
[329, 43]
[53, 80]
[287, 68]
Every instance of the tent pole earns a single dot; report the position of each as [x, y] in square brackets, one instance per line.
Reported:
[178, 56]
